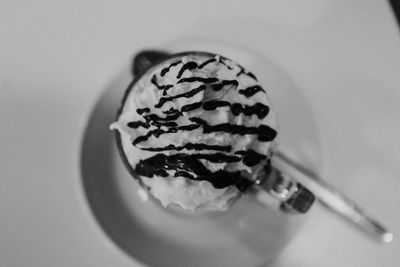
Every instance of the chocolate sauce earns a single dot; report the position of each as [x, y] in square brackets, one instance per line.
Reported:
[250, 91]
[192, 106]
[140, 111]
[164, 87]
[190, 146]
[220, 60]
[189, 94]
[183, 164]
[166, 69]
[248, 73]
[187, 66]
[258, 109]
[215, 87]
[202, 65]
[166, 124]
[251, 75]
[151, 121]
[137, 124]
[219, 86]
[198, 79]
[251, 157]
[171, 111]
[155, 117]
[158, 132]
[264, 132]
[161, 87]
[214, 104]
[191, 65]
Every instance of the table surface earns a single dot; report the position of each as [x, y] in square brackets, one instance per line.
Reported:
[57, 56]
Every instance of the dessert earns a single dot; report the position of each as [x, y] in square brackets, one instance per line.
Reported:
[196, 130]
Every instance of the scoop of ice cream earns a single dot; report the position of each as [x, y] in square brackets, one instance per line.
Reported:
[197, 130]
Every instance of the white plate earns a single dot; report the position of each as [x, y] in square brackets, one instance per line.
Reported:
[249, 234]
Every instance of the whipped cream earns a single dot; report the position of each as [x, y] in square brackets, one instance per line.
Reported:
[197, 129]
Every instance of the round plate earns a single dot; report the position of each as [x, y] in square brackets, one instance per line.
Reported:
[249, 234]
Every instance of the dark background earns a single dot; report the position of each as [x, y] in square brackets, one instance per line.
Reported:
[396, 9]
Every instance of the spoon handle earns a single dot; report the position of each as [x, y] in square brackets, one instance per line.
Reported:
[331, 197]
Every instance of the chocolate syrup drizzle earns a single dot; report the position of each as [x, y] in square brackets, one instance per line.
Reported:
[161, 87]
[198, 79]
[158, 132]
[190, 146]
[190, 165]
[165, 70]
[251, 157]
[258, 109]
[248, 73]
[184, 164]
[188, 94]
[264, 132]
[140, 111]
[250, 91]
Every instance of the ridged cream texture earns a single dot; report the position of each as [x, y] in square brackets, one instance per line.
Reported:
[184, 192]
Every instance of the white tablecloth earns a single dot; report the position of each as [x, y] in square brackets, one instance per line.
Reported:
[56, 57]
